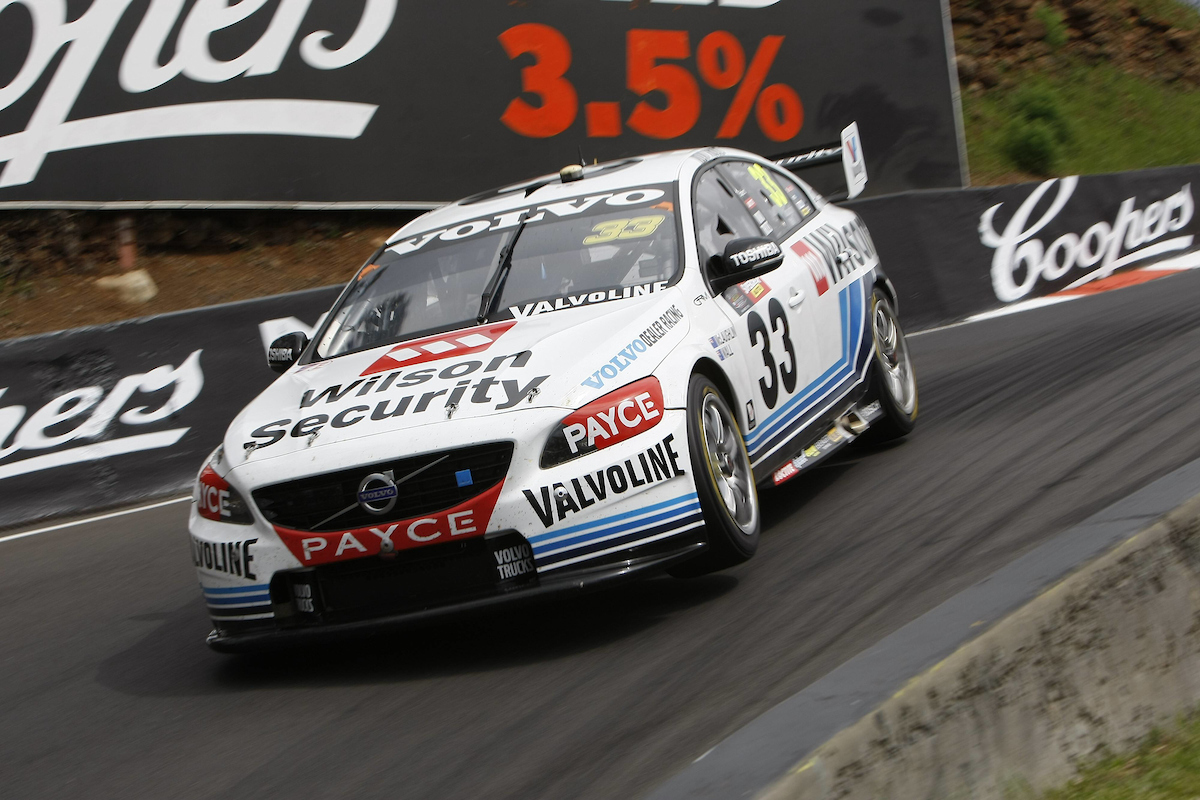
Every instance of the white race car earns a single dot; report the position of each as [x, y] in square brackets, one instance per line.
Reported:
[554, 385]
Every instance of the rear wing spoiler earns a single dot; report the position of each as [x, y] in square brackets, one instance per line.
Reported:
[848, 151]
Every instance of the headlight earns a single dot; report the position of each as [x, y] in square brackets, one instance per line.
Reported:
[216, 499]
[613, 418]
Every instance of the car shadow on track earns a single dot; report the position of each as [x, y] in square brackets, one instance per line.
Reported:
[172, 660]
[781, 502]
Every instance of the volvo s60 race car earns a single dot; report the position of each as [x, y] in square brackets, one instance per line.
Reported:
[554, 385]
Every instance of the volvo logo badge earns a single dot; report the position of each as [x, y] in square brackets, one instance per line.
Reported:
[377, 493]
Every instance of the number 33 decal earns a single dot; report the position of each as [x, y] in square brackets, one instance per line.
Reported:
[760, 335]
[636, 228]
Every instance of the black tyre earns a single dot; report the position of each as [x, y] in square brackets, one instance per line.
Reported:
[724, 482]
[893, 382]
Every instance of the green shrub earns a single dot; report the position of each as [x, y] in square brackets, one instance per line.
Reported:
[1056, 26]
[1031, 146]
[1040, 104]
[1036, 131]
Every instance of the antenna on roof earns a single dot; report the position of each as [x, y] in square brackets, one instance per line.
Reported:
[582, 160]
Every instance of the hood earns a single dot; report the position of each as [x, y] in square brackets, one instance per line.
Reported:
[558, 359]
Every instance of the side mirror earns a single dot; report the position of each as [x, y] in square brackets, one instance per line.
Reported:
[744, 259]
[286, 351]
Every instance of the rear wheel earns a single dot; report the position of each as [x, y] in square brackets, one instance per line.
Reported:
[893, 382]
[724, 482]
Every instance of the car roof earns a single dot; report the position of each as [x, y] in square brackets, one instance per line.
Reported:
[654, 169]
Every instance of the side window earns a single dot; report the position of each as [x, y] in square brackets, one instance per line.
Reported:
[777, 204]
[797, 195]
[720, 216]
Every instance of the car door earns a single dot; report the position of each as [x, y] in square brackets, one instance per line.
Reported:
[783, 210]
[766, 315]
[839, 254]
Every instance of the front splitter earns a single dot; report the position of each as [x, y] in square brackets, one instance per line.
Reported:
[575, 581]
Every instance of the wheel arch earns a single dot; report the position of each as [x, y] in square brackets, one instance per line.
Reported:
[885, 285]
[729, 541]
[709, 369]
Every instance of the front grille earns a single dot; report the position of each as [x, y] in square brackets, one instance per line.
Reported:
[426, 577]
[413, 580]
[309, 503]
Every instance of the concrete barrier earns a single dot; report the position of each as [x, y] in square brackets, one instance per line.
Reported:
[1091, 665]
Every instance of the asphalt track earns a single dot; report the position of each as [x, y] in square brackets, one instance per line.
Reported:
[1029, 423]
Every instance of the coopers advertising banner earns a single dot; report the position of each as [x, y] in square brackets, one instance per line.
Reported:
[958, 253]
[101, 417]
[387, 103]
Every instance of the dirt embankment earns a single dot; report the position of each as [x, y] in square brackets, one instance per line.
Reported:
[996, 40]
[49, 261]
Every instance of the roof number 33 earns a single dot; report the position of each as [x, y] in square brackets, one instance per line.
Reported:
[759, 335]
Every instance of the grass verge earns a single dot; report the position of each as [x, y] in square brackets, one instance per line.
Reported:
[1165, 767]
[1116, 121]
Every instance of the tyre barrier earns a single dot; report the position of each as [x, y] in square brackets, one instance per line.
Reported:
[100, 417]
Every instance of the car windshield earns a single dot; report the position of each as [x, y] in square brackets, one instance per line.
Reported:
[569, 251]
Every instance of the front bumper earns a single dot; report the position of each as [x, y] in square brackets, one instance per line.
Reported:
[277, 632]
[614, 514]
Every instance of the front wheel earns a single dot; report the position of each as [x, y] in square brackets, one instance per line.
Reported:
[724, 482]
[893, 382]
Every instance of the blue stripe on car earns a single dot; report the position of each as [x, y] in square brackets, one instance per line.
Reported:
[258, 587]
[850, 302]
[554, 534]
[563, 542]
[577, 540]
[643, 534]
[249, 599]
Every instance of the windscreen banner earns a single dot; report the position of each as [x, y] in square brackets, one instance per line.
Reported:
[411, 103]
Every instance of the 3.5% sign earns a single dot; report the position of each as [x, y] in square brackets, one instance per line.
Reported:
[720, 60]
